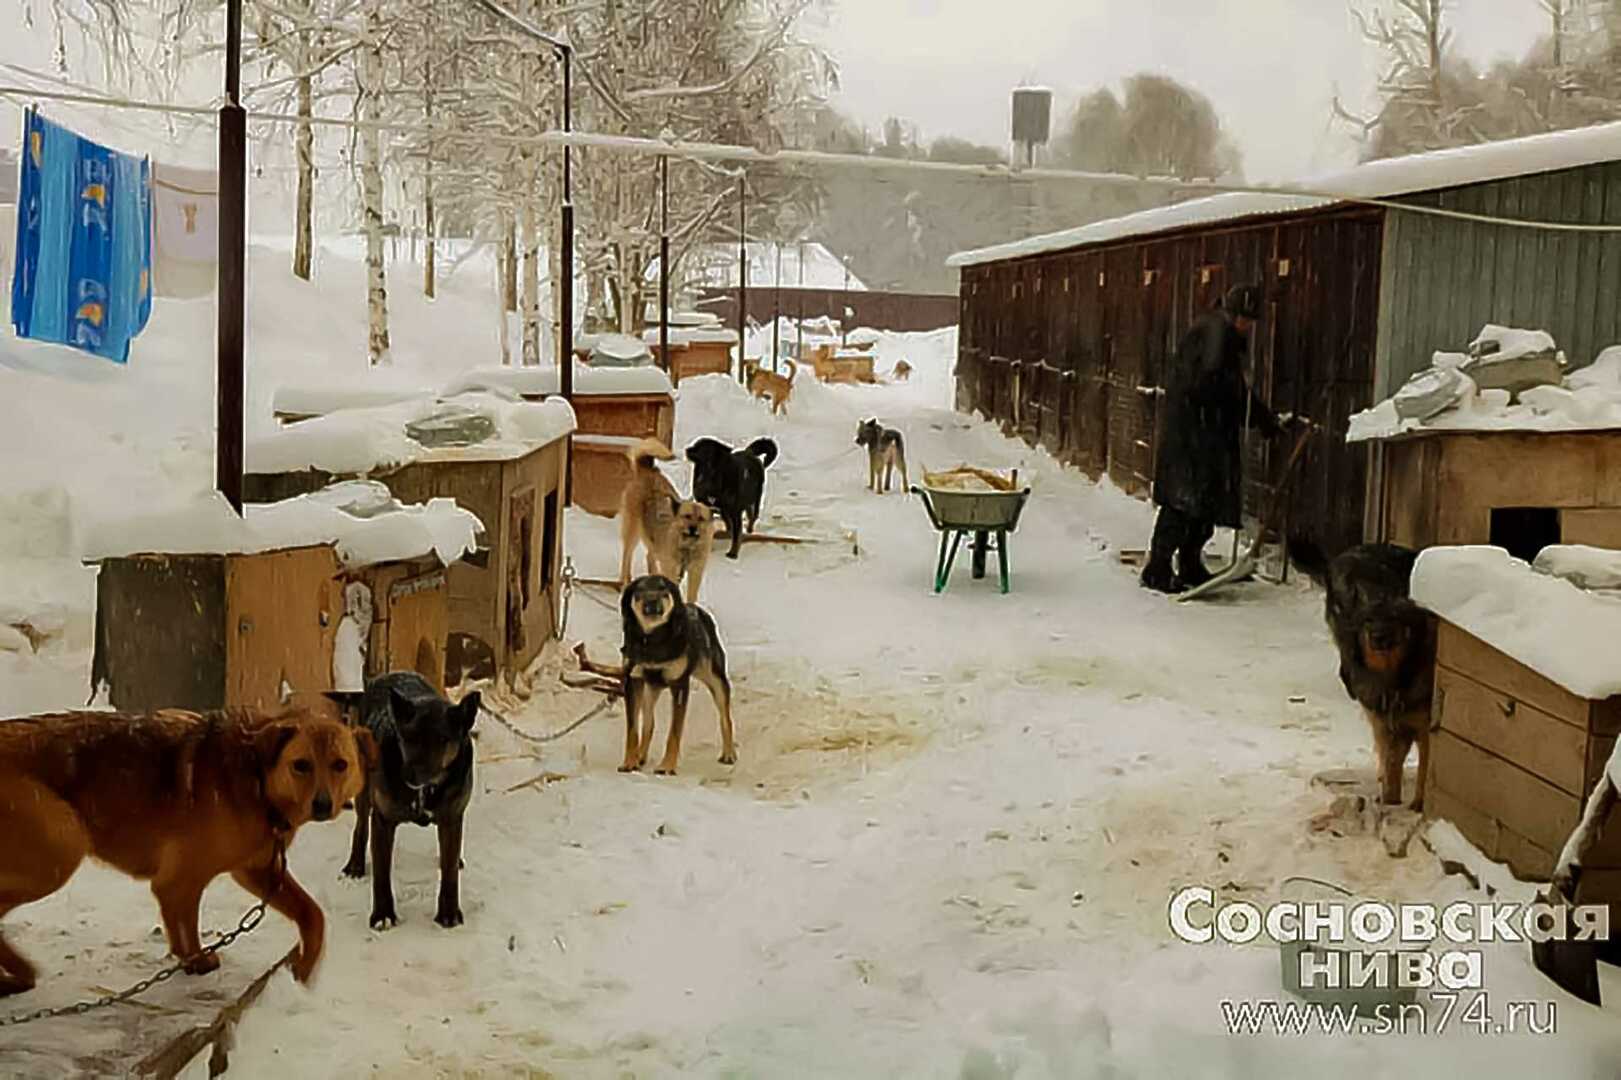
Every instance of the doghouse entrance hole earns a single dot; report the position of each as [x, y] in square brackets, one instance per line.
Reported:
[1523, 531]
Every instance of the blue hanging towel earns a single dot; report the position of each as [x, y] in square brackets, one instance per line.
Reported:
[84, 242]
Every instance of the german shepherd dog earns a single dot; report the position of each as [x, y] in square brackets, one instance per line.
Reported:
[667, 644]
[174, 798]
[1387, 650]
[886, 451]
[423, 775]
[732, 481]
[769, 386]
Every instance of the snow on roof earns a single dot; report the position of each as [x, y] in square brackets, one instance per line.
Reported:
[360, 518]
[1561, 632]
[717, 266]
[319, 400]
[538, 381]
[1373, 180]
[1589, 400]
[693, 335]
[362, 441]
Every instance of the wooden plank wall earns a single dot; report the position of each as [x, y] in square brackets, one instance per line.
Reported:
[1069, 349]
[1564, 282]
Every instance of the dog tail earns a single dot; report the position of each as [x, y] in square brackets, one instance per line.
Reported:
[763, 448]
[1309, 557]
[793, 369]
[645, 452]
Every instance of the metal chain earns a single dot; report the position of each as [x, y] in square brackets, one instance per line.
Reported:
[570, 575]
[245, 925]
[597, 710]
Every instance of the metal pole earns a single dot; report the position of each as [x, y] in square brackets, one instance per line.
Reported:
[664, 262]
[565, 363]
[742, 273]
[776, 314]
[799, 349]
[231, 317]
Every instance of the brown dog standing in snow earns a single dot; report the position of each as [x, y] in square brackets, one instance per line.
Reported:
[175, 798]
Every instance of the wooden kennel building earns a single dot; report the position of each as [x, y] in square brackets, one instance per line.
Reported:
[257, 629]
[1518, 490]
[695, 350]
[1065, 339]
[505, 603]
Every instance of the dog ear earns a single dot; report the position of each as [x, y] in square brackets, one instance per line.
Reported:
[402, 708]
[467, 711]
[366, 743]
[675, 505]
[270, 740]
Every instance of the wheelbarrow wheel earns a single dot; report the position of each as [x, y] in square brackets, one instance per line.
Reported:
[982, 544]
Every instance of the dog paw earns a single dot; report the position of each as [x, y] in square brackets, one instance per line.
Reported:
[449, 919]
[629, 767]
[12, 984]
[664, 770]
[354, 870]
[728, 759]
[384, 920]
[304, 965]
[202, 964]
[731, 554]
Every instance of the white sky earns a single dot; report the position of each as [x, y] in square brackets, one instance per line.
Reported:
[1269, 66]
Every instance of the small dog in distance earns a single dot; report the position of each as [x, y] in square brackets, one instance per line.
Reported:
[886, 452]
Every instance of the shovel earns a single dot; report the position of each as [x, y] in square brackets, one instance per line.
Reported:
[1243, 566]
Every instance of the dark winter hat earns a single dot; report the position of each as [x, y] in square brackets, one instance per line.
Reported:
[1243, 301]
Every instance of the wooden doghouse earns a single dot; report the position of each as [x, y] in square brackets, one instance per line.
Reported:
[1518, 490]
[1515, 751]
[695, 350]
[257, 628]
[613, 408]
[506, 603]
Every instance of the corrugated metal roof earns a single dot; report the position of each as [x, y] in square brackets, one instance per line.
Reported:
[1374, 180]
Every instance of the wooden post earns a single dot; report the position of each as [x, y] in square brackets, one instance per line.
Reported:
[232, 313]
[742, 274]
[664, 262]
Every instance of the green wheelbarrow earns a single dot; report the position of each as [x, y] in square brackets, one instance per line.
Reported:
[982, 514]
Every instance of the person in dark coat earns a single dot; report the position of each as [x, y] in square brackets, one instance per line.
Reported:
[1197, 477]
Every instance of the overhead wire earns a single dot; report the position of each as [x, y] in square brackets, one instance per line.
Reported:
[747, 155]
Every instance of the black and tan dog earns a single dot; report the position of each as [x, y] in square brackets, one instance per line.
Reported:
[668, 644]
[422, 775]
[1387, 650]
[732, 481]
[886, 452]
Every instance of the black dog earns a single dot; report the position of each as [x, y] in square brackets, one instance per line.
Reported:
[731, 481]
[423, 776]
[668, 643]
[1387, 650]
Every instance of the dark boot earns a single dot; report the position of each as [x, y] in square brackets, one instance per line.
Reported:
[1190, 567]
[1158, 574]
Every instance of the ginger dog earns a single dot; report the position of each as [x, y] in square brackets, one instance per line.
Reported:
[175, 798]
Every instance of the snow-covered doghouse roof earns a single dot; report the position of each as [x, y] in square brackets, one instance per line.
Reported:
[1588, 399]
[1538, 616]
[1385, 179]
[358, 442]
[360, 518]
[543, 381]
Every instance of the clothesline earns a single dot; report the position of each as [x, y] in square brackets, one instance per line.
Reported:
[704, 151]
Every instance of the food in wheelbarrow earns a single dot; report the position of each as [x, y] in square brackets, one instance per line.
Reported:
[970, 478]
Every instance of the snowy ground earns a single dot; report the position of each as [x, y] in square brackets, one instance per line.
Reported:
[946, 849]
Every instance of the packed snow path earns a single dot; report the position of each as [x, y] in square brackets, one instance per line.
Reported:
[946, 849]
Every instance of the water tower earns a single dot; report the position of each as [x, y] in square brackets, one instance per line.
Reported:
[1032, 121]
